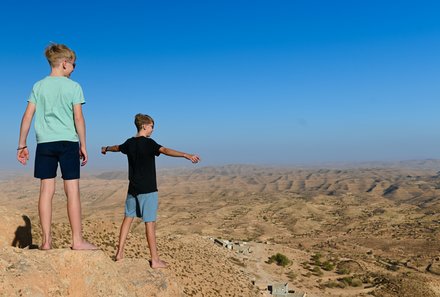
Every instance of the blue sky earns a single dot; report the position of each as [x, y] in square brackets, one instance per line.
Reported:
[255, 82]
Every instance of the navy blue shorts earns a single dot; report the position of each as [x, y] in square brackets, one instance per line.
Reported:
[49, 154]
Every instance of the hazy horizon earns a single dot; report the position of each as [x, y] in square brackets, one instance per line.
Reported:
[423, 164]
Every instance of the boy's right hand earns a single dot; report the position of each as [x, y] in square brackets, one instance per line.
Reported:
[103, 150]
[83, 155]
[23, 155]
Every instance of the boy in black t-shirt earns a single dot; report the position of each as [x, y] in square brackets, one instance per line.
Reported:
[142, 197]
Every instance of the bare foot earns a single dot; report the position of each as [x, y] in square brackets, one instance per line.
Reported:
[158, 264]
[118, 258]
[84, 246]
[45, 247]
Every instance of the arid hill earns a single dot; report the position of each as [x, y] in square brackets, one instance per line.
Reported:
[365, 230]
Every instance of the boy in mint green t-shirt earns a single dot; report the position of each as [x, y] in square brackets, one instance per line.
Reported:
[55, 98]
[56, 101]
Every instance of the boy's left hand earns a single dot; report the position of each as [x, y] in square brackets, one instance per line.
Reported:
[194, 158]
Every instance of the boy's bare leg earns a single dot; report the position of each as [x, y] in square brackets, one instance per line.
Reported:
[71, 187]
[151, 238]
[125, 228]
[47, 190]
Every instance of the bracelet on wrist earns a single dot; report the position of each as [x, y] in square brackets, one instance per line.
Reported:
[21, 148]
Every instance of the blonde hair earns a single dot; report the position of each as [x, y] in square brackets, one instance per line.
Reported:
[142, 119]
[55, 53]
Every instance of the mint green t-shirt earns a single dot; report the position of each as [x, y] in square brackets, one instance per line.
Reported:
[54, 98]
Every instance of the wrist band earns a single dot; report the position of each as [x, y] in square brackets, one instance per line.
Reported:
[20, 148]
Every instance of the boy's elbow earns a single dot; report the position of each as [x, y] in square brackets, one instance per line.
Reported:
[78, 118]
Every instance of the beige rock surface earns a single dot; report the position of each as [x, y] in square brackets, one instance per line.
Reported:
[434, 266]
[63, 272]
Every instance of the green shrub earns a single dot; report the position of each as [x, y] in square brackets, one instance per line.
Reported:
[332, 284]
[279, 259]
[343, 271]
[346, 280]
[291, 275]
[356, 282]
[316, 259]
[327, 266]
[351, 281]
[317, 271]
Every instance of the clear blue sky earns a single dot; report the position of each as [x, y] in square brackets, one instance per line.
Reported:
[257, 82]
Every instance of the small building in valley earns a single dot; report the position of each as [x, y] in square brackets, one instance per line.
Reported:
[282, 290]
[237, 246]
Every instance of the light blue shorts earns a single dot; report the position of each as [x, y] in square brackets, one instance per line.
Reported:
[144, 206]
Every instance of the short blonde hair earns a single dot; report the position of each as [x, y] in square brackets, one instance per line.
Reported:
[142, 119]
[55, 53]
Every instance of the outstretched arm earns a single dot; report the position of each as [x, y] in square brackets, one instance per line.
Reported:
[113, 148]
[174, 153]
[22, 150]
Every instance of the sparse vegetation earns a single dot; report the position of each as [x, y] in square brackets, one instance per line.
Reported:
[237, 262]
[317, 271]
[291, 275]
[328, 266]
[356, 282]
[305, 265]
[333, 284]
[351, 281]
[344, 282]
[343, 271]
[316, 259]
[279, 259]
[308, 274]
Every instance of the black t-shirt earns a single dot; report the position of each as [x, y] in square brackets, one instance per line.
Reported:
[141, 152]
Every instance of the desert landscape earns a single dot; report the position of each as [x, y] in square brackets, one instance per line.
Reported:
[347, 230]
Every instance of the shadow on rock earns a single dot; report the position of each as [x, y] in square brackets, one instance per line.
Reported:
[23, 235]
